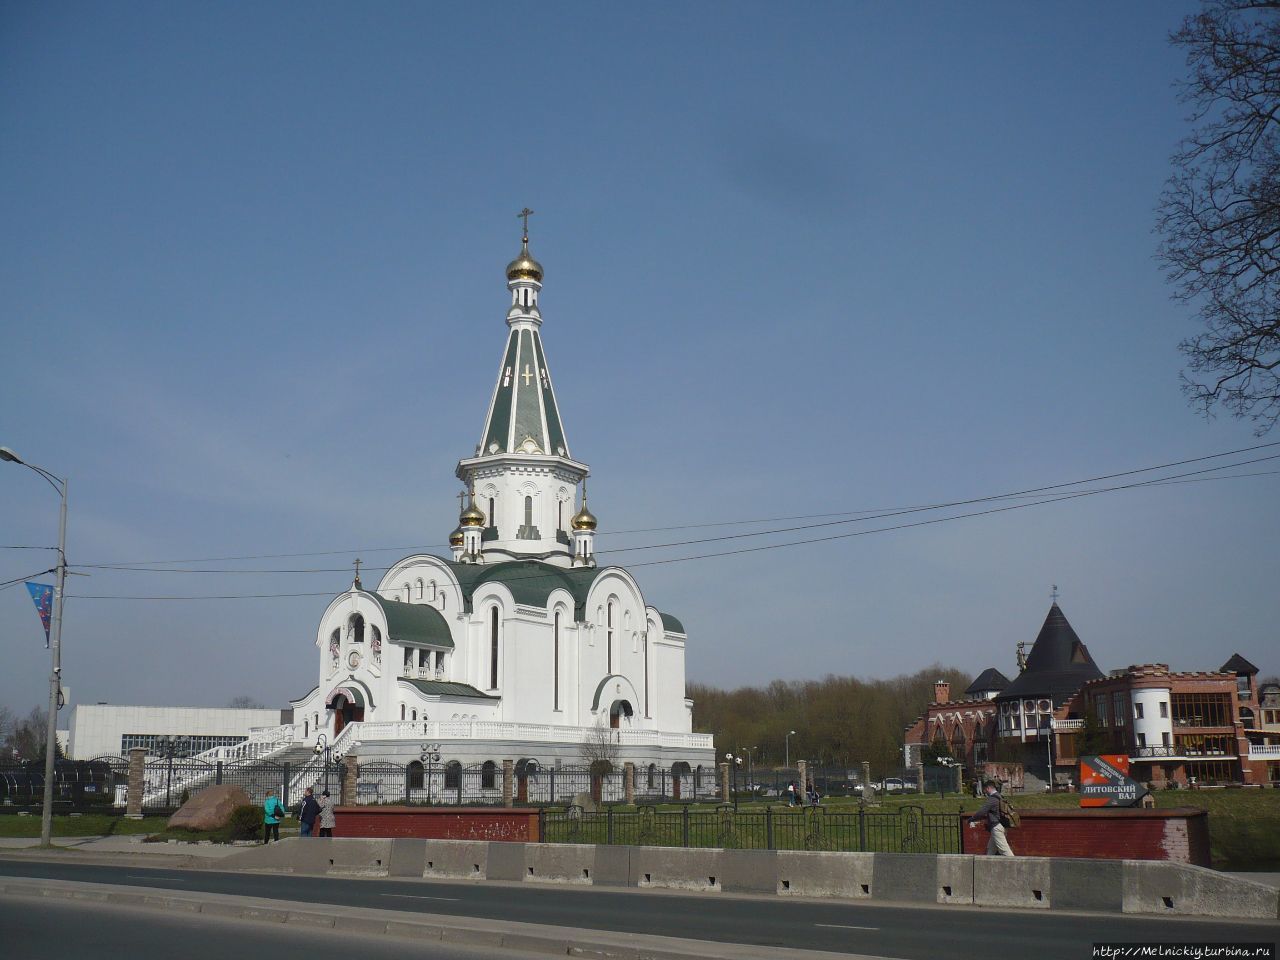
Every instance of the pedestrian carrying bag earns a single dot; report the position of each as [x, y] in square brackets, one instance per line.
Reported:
[279, 811]
[1009, 818]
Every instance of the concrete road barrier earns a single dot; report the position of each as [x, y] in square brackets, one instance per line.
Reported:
[1036, 883]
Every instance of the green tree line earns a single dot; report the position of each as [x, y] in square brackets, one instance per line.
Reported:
[838, 721]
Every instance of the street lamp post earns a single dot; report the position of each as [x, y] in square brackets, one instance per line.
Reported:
[55, 645]
[168, 745]
[787, 761]
[322, 747]
[751, 780]
[1048, 742]
[430, 756]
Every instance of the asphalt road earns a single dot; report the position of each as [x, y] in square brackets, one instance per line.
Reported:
[911, 933]
[38, 931]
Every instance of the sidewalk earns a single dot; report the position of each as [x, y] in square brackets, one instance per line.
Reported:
[125, 844]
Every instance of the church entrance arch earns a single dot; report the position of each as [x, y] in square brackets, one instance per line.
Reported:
[348, 702]
[619, 709]
[525, 769]
[679, 771]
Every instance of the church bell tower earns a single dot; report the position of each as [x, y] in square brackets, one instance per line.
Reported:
[523, 479]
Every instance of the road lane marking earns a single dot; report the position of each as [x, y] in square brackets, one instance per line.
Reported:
[147, 876]
[844, 926]
[414, 896]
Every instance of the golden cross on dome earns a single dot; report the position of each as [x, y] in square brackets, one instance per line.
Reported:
[524, 215]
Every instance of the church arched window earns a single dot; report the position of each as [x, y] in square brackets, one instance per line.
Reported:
[415, 775]
[555, 662]
[528, 511]
[493, 648]
[356, 628]
[493, 513]
[452, 775]
[433, 591]
[488, 775]
[407, 595]
[402, 711]
[444, 597]
[609, 638]
[421, 588]
[413, 715]
[653, 774]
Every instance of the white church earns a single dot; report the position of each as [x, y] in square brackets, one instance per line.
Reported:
[518, 646]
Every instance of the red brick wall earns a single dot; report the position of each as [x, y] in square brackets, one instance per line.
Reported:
[436, 823]
[1180, 835]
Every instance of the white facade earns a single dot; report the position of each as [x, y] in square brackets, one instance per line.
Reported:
[1152, 723]
[518, 647]
[99, 730]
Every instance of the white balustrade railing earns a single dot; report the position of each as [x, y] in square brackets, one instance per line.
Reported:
[1258, 751]
[529, 732]
[1068, 724]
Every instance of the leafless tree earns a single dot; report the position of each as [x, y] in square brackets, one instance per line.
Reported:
[600, 749]
[1219, 215]
[245, 703]
[26, 737]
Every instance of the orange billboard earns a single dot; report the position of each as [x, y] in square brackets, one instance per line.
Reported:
[1105, 782]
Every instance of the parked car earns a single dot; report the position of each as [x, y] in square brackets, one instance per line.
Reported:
[896, 785]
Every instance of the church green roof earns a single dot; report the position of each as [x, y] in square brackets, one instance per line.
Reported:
[414, 622]
[530, 581]
[447, 688]
[671, 624]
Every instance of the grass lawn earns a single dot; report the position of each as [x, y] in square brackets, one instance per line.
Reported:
[1244, 825]
[89, 825]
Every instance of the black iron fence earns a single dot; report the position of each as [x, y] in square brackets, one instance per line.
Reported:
[78, 785]
[909, 829]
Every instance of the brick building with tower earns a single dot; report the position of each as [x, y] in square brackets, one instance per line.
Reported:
[1180, 728]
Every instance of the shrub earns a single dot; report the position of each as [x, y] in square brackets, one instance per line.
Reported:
[245, 822]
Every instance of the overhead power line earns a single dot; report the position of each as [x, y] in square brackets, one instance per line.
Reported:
[1074, 495]
[1038, 492]
[864, 514]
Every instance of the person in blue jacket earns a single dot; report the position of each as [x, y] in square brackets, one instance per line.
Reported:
[272, 814]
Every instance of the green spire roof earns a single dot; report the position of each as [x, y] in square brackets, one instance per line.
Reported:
[523, 416]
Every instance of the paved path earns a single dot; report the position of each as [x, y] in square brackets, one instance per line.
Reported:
[914, 933]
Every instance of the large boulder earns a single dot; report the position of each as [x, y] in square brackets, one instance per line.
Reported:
[210, 809]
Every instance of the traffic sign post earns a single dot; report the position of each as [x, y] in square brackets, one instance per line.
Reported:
[1105, 782]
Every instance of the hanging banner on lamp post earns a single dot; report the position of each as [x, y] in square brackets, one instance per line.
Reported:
[42, 597]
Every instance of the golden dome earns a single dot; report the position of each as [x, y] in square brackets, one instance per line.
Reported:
[524, 267]
[456, 538]
[584, 519]
[472, 516]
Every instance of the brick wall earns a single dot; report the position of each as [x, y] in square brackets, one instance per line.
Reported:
[1180, 835]
[435, 823]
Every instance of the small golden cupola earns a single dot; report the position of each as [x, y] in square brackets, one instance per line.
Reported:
[584, 519]
[584, 534]
[524, 267]
[471, 516]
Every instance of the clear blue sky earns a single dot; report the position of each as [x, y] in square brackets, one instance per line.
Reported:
[800, 259]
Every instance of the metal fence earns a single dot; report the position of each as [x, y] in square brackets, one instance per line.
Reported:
[78, 785]
[908, 829]
[840, 781]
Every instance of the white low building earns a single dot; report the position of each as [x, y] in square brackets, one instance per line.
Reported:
[111, 730]
[517, 647]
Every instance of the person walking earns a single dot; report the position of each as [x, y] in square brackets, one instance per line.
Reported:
[272, 814]
[327, 819]
[811, 793]
[792, 798]
[308, 813]
[990, 813]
